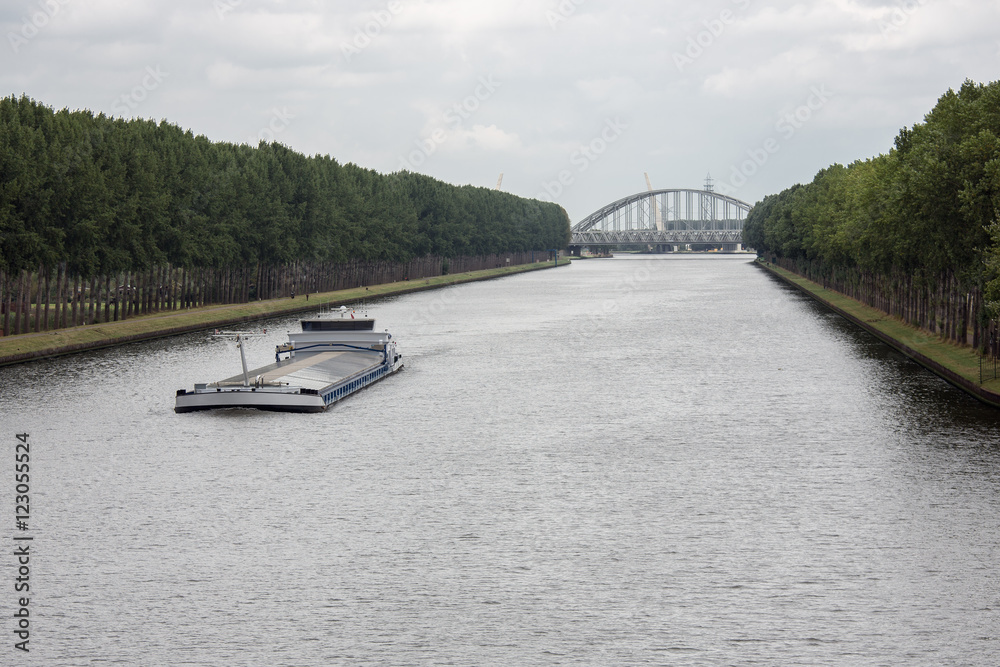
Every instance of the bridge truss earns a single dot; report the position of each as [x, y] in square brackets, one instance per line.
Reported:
[665, 217]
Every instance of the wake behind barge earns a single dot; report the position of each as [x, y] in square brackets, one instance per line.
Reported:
[328, 360]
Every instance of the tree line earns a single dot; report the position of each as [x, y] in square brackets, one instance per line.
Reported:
[915, 231]
[35, 301]
[106, 195]
[103, 218]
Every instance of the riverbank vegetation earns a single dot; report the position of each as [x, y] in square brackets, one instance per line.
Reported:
[914, 232]
[15, 349]
[133, 216]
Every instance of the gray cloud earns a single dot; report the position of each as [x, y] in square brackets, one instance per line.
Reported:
[697, 87]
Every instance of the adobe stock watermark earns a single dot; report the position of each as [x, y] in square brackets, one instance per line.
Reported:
[582, 158]
[364, 35]
[452, 119]
[278, 123]
[704, 39]
[77, 154]
[424, 316]
[223, 7]
[899, 16]
[34, 22]
[625, 290]
[562, 13]
[787, 127]
[130, 101]
[623, 295]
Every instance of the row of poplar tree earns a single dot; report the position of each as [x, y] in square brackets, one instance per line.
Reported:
[914, 232]
[96, 205]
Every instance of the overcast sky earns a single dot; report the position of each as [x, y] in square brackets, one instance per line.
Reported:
[572, 101]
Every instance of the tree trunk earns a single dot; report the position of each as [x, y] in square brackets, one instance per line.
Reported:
[64, 296]
[90, 303]
[107, 298]
[76, 301]
[118, 296]
[17, 304]
[5, 283]
[38, 299]
[48, 297]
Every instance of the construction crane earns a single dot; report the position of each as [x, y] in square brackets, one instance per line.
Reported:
[656, 206]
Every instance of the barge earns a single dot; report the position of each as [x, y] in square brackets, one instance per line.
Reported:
[327, 361]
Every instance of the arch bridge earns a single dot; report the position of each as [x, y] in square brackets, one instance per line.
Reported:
[665, 218]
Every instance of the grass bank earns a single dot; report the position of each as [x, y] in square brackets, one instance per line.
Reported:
[28, 347]
[957, 364]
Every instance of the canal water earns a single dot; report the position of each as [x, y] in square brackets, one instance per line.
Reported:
[635, 461]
